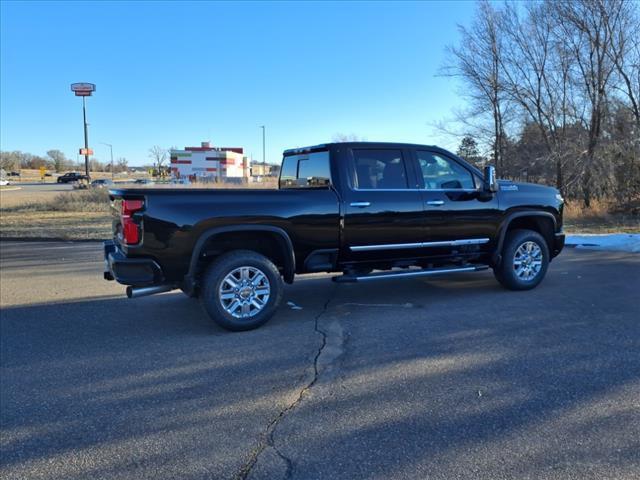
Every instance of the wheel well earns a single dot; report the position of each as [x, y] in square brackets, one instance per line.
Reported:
[269, 244]
[541, 224]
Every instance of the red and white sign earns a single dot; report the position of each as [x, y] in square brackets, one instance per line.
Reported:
[86, 151]
[83, 89]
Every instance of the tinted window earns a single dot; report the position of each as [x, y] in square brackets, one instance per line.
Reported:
[288, 172]
[379, 169]
[442, 173]
[306, 171]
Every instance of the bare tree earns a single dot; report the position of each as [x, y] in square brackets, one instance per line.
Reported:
[624, 52]
[122, 165]
[10, 161]
[58, 160]
[585, 27]
[478, 62]
[536, 78]
[547, 86]
[159, 156]
[346, 137]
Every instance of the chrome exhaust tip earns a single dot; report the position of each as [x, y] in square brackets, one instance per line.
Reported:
[136, 292]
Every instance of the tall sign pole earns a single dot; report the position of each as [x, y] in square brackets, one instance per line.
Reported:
[84, 90]
[86, 138]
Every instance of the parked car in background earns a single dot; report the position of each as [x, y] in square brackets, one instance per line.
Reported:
[144, 181]
[72, 177]
[101, 183]
[13, 174]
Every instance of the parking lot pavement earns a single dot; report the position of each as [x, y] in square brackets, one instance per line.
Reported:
[440, 378]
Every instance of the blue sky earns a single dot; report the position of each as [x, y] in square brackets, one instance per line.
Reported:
[177, 73]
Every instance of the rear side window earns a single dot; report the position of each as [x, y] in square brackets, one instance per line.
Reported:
[379, 170]
[310, 170]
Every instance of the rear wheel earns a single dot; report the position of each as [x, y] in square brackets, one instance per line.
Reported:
[241, 290]
[525, 259]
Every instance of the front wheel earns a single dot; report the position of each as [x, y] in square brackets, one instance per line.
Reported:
[525, 259]
[241, 290]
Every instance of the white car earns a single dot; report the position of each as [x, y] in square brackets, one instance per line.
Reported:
[3, 182]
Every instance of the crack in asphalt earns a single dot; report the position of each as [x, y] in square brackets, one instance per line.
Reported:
[267, 437]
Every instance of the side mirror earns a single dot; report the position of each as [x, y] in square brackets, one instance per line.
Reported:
[490, 181]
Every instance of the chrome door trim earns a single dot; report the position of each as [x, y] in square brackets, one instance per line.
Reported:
[388, 246]
[453, 190]
[398, 246]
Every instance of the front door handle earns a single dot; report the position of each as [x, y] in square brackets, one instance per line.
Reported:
[435, 203]
[360, 204]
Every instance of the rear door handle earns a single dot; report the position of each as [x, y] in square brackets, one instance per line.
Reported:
[360, 204]
[435, 203]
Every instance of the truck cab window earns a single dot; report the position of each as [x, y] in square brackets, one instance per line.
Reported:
[379, 170]
[310, 170]
[442, 173]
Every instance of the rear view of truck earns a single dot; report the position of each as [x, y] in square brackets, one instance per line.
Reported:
[128, 225]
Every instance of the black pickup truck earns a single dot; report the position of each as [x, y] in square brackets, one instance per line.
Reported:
[369, 211]
[72, 177]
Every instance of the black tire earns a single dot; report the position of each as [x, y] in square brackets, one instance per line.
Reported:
[506, 273]
[211, 288]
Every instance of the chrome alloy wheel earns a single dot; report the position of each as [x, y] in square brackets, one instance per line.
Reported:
[527, 261]
[244, 292]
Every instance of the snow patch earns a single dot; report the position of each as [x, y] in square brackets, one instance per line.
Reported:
[622, 242]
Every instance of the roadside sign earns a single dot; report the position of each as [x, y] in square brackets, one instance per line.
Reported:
[43, 170]
[83, 89]
[86, 151]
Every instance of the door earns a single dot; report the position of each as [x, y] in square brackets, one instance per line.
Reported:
[459, 219]
[383, 208]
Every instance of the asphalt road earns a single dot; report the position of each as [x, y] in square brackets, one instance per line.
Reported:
[450, 378]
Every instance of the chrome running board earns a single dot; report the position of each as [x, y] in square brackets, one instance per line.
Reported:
[408, 273]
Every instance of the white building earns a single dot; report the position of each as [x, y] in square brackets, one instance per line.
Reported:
[210, 163]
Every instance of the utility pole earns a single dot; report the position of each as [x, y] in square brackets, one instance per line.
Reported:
[111, 149]
[264, 158]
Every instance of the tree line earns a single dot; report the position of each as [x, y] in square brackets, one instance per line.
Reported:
[553, 94]
[57, 161]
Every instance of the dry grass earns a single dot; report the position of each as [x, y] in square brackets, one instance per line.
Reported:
[55, 224]
[602, 217]
[78, 215]
[93, 200]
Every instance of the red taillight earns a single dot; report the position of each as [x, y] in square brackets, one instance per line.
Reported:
[130, 229]
[131, 206]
